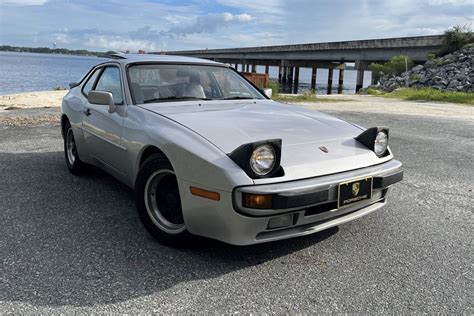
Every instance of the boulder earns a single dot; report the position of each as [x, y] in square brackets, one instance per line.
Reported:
[453, 72]
[417, 68]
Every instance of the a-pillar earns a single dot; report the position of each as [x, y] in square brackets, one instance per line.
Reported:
[341, 81]
[313, 79]
[330, 76]
[297, 79]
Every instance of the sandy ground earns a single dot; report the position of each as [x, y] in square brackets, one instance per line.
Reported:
[42, 99]
[372, 104]
[39, 108]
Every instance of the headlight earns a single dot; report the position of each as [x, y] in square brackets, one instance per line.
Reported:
[376, 139]
[381, 143]
[259, 159]
[262, 160]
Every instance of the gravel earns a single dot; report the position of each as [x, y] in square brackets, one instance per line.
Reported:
[75, 244]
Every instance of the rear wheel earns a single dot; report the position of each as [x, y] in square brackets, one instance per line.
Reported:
[73, 162]
[159, 203]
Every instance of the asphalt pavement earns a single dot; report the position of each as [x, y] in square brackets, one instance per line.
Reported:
[75, 244]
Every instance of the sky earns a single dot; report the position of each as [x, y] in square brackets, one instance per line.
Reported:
[156, 25]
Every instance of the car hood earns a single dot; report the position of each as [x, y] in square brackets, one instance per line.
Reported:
[230, 124]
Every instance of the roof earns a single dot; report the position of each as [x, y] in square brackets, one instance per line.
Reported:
[132, 58]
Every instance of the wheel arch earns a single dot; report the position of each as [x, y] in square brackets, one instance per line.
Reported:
[149, 151]
[64, 120]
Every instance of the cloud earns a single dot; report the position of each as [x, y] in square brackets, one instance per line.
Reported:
[208, 24]
[193, 24]
[24, 2]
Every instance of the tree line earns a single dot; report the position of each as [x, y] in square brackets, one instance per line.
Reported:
[47, 50]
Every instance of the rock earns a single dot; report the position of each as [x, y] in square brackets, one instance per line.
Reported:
[453, 72]
[453, 84]
[418, 68]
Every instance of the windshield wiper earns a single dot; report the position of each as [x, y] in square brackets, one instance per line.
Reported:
[174, 98]
[237, 98]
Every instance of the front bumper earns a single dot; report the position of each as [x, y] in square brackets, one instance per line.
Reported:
[312, 203]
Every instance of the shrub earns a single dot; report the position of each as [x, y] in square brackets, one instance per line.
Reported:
[456, 38]
[274, 86]
[396, 66]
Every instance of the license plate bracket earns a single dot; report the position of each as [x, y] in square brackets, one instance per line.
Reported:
[354, 191]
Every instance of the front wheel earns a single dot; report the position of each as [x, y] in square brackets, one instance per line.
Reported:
[73, 162]
[159, 203]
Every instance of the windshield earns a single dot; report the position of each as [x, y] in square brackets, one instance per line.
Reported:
[164, 83]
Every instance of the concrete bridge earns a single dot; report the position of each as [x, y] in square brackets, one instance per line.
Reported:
[333, 55]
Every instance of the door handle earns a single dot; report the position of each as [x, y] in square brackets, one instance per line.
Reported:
[87, 112]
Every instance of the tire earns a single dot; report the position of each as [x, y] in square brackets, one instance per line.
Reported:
[159, 204]
[74, 164]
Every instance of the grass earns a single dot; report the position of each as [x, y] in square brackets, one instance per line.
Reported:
[426, 94]
[307, 96]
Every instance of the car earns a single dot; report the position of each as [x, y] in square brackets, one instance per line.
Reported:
[209, 154]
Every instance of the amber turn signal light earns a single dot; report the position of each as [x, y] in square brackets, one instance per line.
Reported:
[205, 194]
[260, 201]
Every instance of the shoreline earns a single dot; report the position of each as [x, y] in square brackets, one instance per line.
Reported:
[42, 107]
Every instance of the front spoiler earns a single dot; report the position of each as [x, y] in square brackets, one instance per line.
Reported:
[223, 221]
[295, 195]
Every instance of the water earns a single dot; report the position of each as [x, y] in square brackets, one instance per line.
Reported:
[27, 72]
[349, 86]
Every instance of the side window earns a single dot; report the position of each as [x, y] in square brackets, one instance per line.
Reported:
[110, 81]
[90, 83]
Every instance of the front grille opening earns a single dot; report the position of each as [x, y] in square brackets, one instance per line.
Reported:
[321, 208]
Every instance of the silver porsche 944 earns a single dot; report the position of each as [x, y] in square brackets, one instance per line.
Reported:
[209, 154]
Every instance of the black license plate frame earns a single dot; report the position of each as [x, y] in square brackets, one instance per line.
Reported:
[354, 191]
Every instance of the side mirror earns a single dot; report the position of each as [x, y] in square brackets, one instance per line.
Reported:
[268, 92]
[102, 98]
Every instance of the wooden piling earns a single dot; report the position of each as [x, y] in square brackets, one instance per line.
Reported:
[330, 76]
[372, 79]
[341, 81]
[288, 86]
[297, 79]
[360, 79]
[313, 79]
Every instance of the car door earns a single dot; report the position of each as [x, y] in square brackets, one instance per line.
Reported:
[102, 129]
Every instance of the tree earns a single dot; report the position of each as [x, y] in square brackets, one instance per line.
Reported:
[396, 66]
[455, 38]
